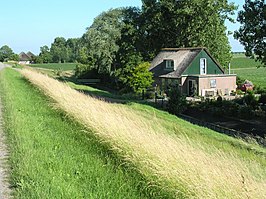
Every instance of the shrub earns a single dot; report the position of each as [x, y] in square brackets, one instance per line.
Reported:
[140, 78]
[250, 100]
[177, 103]
[85, 71]
[239, 81]
[262, 98]
[239, 92]
[246, 112]
[259, 89]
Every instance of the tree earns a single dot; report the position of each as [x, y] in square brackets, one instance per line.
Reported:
[252, 33]
[14, 57]
[5, 53]
[59, 51]
[101, 39]
[140, 78]
[73, 45]
[187, 24]
[44, 56]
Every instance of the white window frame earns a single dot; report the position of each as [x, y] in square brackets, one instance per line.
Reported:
[203, 66]
[213, 83]
[168, 64]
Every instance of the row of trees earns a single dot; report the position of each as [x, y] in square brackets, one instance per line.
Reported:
[121, 39]
[6, 53]
[61, 51]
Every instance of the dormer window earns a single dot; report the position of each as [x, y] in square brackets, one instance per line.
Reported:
[203, 66]
[169, 64]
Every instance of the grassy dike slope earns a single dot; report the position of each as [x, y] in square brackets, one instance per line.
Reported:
[53, 157]
[185, 160]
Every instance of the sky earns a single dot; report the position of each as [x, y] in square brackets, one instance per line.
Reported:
[29, 24]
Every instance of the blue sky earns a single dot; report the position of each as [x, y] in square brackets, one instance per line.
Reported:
[29, 24]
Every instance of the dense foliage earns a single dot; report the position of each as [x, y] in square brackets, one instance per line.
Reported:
[176, 103]
[248, 106]
[6, 53]
[61, 51]
[253, 30]
[187, 24]
[119, 40]
[140, 78]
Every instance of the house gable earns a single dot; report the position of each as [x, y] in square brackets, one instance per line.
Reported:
[181, 57]
[212, 66]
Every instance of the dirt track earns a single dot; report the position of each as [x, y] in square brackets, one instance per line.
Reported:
[4, 186]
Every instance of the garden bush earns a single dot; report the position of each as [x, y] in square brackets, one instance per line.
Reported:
[250, 100]
[262, 98]
[177, 103]
[246, 112]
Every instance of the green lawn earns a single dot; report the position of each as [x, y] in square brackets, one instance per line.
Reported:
[51, 156]
[56, 66]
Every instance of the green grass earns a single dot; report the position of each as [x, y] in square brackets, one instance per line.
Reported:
[51, 156]
[56, 66]
[203, 135]
[240, 54]
[102, 93]
[181, 156]
[256, 75]
[244, 62]
[249, 69]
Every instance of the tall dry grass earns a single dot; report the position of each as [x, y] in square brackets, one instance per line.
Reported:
[176, 164]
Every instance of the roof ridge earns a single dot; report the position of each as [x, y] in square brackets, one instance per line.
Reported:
[188, 48]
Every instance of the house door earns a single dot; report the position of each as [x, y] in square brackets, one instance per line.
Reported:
[192, 87]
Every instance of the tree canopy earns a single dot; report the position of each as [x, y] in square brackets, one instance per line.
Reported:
[191, 23]
[6, 53]
[120, 40]
[252, 33]
[101, 39]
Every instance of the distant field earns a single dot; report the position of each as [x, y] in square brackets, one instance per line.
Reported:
[244, 62]
[256, 75]
[247, 68]
[56, 66]
[235, 55]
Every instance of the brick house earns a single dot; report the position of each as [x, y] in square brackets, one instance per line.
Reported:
[193, 70]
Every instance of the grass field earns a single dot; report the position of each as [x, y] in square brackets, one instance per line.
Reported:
[51, 156]
[248, 69]
[185, 160]
[56, 66]
[256, 75]
[244, 62]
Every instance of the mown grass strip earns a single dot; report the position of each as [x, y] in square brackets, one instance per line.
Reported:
[56, 66]
[51, 156]
[174, 159]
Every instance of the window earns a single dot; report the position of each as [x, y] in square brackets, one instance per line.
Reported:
[169, 64]
[213, 83]
[203, 66]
